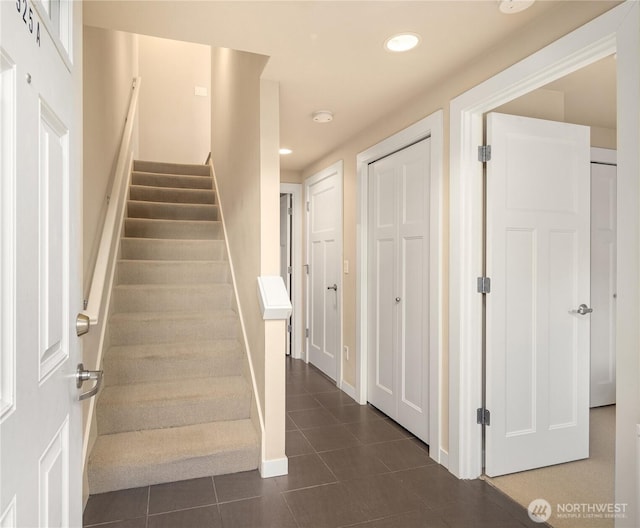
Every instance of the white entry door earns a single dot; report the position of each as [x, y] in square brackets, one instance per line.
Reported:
[538, 260]
[41, 131]
[399, 286]
[324, 257]
[603, 284]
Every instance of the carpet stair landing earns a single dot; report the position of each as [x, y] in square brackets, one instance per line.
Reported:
[175, 403]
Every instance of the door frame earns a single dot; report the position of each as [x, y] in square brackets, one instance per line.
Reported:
[616, 31]
[337, 169]
[431, 126]
[297, 321]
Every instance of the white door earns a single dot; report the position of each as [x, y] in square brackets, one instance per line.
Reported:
[41, 121]
[537, 344]
[324, 257]
[399, 286]
[285, 257]
[603, 284]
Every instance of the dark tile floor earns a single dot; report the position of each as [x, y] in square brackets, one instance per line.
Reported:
[349, 465]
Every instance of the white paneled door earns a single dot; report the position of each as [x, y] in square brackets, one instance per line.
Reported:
[286, 260]
[323, 193]
[41, 421]
[603, 284]
[398, 289]
[537, 314]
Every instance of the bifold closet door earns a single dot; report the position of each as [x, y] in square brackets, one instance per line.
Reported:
[398, 286]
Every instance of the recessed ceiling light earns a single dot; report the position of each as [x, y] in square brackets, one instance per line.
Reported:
[322, 116]
[509, 7]
[285, 151]
[402, 42]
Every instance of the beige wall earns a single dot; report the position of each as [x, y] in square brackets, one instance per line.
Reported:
[244, 139]
[550, 104]
[289, 176]
[110, 64]
[175, 124]
[559, 22]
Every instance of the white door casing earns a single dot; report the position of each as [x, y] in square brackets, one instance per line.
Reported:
[294, 190]
[41, 428]
[286, 268]
[399, 340]
[603, 277]
[323, 193]
[432, 127]
[538, 260]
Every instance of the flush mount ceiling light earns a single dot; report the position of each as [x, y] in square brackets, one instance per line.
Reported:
[514, 6]
[322, 116]
[285, 151]
[402, 42]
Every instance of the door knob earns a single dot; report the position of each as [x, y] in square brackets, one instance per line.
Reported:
[83, 375]
[583, 309]
[334, 287]
[398, 299]
[83, 323]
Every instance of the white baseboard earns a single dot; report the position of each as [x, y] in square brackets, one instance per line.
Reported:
[274, 468]
[348, 389]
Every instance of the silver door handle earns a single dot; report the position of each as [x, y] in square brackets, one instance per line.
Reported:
[398, 299]
[334, 287]
[83, 375]
[583, 309]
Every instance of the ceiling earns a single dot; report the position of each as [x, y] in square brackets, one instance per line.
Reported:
[329, 55]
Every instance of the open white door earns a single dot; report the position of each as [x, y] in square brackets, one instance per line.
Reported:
[286, 263]
[41, 131]
[324, 257]
[538, 260]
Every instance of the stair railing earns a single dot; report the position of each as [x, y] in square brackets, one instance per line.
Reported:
[116, 199]
[96, 306]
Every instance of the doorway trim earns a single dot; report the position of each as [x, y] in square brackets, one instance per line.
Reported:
[431, 126]
[297, 321]
[616, 31]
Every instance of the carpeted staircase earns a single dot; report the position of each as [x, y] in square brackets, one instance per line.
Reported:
[175, 404]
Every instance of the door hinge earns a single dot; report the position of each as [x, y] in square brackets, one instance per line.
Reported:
[306, 332]
[484, 153]
[289, 270]
[289, 329]
[483, 416]
[306, 267]
[484, 285]
[290, 211]
[308, 206]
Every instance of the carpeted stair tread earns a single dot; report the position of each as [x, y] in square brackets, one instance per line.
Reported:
[172, 195]
[171, 168]
[172, 271]
[172, 211]
[180, 181]
[166, 361]
[143, 458]
[176, 402]
[172, 403]
[173, 229]
[137, 328]
[171, 297]
[172, 249]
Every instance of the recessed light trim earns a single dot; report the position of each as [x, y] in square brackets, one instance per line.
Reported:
[285, 151]
[402, 42]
